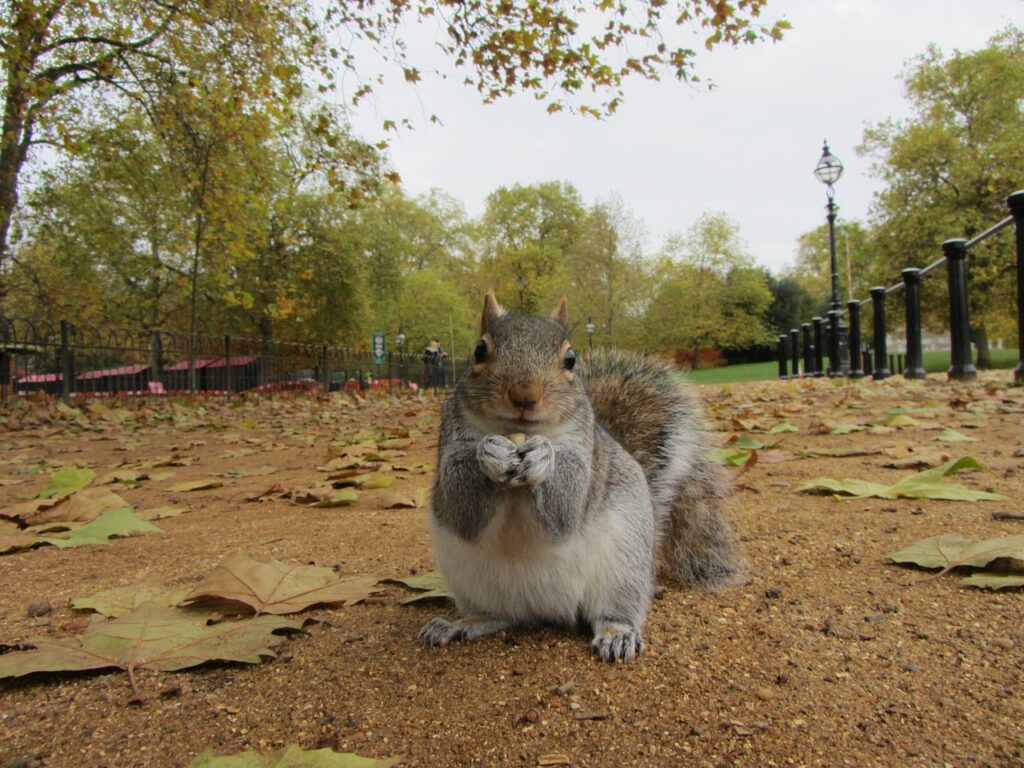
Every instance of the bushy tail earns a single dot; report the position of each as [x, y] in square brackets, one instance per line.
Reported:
[645, 406]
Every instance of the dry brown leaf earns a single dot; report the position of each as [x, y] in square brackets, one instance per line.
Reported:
[278, 588]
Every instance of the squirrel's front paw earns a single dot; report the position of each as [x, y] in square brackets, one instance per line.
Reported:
[536, 460]
[498, 458]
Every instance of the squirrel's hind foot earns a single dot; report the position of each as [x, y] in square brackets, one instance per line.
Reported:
[441, 630]
[614, 640]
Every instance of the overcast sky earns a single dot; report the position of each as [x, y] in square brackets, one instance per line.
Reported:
[673, 151]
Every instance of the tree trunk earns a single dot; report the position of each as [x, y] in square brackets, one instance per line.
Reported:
[14, 140]
[696, 359]
[979, 337]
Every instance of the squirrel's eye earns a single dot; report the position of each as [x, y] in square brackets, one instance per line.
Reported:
[480, 353]
[570, 359]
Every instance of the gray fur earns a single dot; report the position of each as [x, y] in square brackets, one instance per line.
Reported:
[563, 527]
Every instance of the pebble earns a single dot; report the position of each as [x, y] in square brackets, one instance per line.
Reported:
[40, 608]
[764, 694]
[907, 666]
[773, 593]
[1002, 642]
[565, 688]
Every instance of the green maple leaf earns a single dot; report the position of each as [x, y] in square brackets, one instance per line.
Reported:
[115, 522]
[929, 484]
[432, 586]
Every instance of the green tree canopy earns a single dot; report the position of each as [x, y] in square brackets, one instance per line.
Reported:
[948, 168]
[710, 294]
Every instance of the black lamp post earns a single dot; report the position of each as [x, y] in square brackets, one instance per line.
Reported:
[828, 171]
[590, 332]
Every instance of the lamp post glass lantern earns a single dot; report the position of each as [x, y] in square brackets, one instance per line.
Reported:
[828, 172]
[590, 332]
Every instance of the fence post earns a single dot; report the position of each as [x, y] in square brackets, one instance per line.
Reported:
[794, 342]
[880, 371]
[1015, 202]
[856, 364]
[325, 368]
[912, 287]
[819, 348]
[229, 373]
[961, 366]
[834, 366]
[783, 356]
[808, 349]
[66, 367]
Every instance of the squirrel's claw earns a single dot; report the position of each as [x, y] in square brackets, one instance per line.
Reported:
[440, 630]
[613, 641]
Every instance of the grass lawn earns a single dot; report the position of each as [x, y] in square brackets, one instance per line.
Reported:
[934, 362]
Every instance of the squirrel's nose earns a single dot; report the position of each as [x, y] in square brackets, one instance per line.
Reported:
[523, 398]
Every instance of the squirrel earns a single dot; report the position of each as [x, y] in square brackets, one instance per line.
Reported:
[558, 481]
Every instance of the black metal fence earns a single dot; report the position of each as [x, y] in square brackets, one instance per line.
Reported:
[809, 338]
[73, 361]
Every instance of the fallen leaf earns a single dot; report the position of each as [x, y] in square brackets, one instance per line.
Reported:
[846, 429]
[377, 481]
[400, 502]
[116, 522]
[432, 584]
[159, 513]
[278, 588]
[66, 481]
[954, 551]
[291, 756]
[782, 426]
[150, 637]
[122, 600]
[126, 476]
[195, 485]
[824, 453]
[952, 436]
[271, 491]
[994, 580]
[923, 485]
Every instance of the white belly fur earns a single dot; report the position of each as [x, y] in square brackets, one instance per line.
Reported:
[514, 572]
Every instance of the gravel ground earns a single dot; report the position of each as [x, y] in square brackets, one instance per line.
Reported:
[825, 656]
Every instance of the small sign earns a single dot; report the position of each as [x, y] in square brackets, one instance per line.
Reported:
[379, 346]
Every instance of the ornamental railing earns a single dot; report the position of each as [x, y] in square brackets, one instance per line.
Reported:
[75, 361]
[809, 340]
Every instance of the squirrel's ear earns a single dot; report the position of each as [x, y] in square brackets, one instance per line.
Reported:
[492, 311]
[561, 313]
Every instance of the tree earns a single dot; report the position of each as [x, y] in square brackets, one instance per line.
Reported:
[62, 59]
[111, 218]
[855, 257]
[608, 278]
[712, 294]
[792, 304]
[525, 235]
[947, 170]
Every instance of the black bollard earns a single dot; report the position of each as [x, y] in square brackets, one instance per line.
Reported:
[794, 342]
[783, 355]
[856, 366]
[834, 366]
[808, 349]
[912, 288]
[819, 347]
[1015, 202]
[878, 335]
[961, 367]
